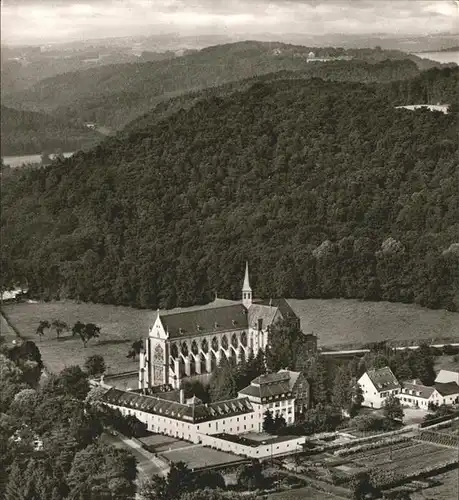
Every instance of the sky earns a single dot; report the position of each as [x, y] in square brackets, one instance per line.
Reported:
[46, 21]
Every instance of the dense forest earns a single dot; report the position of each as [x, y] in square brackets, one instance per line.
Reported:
[113, 95]
[324, 187]
[27, 132]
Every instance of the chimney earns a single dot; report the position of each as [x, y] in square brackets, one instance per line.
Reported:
[182, 396]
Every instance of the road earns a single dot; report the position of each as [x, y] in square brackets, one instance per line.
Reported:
[147, 464]
[363, 351]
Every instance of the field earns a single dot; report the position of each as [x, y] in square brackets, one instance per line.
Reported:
[353, 323]
[404, 458]
[120, 326]
[336, 323]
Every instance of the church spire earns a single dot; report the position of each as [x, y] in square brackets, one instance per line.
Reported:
[246, 290]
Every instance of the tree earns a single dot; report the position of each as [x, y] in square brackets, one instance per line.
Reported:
[74, 381]
[357, 397]
[155, 488]
[268, 422]
[209, 479]
[393, 408]
[59, 326]
[279, 422]
[360, 485]
[342, 389]
[105, 471]
[41, 327]
[85, 331]
[23, 404]
[95, 365]
[250, 477]
[78, 329]
[135, 350]
[222, 385]
[179, 480]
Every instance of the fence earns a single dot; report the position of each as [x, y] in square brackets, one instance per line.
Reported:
[442, 438]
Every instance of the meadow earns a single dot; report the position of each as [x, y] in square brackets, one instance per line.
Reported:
[337, 323]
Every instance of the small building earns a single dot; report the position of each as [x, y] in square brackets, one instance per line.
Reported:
[377, 385]
[446, 394]
[445, 376]
[417, 395]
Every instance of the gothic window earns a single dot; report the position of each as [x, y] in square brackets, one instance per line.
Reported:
[158, 355]
[174, 351]
[244, 339]
[234, 341]
[205, 346]
[185, 349]
[225, 342]
[215, 345]
[194, 347]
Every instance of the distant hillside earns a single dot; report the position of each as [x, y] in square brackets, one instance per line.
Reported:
[325, 187]
[429, 86]
[27, 132]
[114, 95]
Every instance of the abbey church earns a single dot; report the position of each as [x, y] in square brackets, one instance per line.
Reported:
[192, 342]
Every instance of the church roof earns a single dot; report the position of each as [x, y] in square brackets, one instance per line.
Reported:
[205, 321]
[266, 309]
[188, 412]
[282, 305]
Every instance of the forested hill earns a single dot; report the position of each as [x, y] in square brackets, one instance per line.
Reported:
[432, 86]
[27, 132]
[324, 187]
[114, 95]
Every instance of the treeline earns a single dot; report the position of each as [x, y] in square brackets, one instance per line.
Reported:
[27, 132]
[324, 187]
[115, 94]
[50, 434]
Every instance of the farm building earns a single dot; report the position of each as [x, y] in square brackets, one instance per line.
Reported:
[417, 395]
[377, 385]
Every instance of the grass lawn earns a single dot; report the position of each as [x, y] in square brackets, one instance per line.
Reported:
[336, 322]
[120, 326]
[161, 443]
[200, 456]
[353, 323]
[447, 363]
